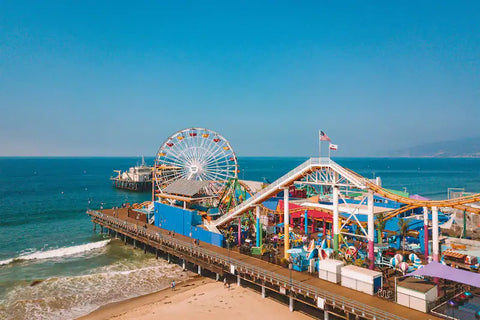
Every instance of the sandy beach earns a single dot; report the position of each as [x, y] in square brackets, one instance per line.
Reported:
[198, 298]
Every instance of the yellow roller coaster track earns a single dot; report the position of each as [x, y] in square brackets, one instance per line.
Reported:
[456, 203]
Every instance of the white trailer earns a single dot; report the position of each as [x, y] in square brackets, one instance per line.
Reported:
[330, 270]
[361, 279]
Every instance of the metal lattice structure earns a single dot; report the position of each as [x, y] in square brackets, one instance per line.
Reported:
[195, 154]
[324, 171]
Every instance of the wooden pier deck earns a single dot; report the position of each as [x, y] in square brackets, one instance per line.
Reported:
[297, 286]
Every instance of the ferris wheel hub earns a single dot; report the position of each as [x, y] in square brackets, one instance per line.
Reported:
[194, 169]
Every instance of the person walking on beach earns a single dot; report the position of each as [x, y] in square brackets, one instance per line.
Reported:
[173, 285]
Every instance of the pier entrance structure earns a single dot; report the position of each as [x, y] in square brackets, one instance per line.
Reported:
[339, 181]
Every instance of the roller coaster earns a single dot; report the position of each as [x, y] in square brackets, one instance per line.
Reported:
[324, 171]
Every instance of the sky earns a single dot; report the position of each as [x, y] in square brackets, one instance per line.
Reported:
[114, 78]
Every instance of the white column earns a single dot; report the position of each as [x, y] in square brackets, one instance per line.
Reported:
[183, 264]
[263, 291]
[290, 305]
[286, 222]
[371, 229]
[425, 216]
[435, 237]
[258, 227]
[238, 280]
[217, 277]
[425, 231]
[199, 270]
[325, 314]
[336, 227]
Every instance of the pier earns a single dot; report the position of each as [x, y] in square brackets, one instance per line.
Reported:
[120, 183]
[298, 288]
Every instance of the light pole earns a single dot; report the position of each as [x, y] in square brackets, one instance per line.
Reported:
[228, 247]
[290, 266]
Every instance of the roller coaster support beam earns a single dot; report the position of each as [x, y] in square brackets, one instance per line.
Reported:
[435, 233]
[286, 222]
[371, 229]
[259, 227]
[425, 231]
[336, 230]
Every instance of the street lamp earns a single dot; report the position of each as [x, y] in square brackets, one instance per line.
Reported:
[290, 266]
[228, 247]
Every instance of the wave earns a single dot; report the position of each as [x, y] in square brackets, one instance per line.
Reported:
[57, 253]
[70, 297]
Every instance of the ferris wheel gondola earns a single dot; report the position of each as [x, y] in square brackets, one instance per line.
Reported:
[195, 154]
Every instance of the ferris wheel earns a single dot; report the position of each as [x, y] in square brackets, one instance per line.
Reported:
[195, 154]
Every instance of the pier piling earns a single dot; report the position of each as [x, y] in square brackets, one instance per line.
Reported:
[290, 304]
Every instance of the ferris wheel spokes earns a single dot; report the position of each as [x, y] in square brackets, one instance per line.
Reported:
[195, 154]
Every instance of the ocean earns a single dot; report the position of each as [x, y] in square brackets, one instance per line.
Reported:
[52, 265]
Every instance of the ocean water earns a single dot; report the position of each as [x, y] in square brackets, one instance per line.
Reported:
[52, 266]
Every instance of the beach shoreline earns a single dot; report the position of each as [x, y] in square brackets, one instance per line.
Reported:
[196, 298]
[115, 309]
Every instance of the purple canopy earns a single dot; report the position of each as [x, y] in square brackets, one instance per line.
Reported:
[438, 270]
[418, 197]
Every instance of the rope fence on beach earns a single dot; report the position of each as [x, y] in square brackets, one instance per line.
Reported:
[158, 238]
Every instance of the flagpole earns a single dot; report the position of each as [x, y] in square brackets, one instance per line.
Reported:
[319, 145]
[329, 151]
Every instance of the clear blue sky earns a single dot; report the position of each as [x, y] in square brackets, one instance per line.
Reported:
[114, 78]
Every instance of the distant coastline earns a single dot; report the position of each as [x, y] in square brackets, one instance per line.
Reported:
[460, 148]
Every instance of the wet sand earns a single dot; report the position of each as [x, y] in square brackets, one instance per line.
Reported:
[198, 298]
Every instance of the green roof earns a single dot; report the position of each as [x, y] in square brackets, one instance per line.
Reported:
[356, 194]
[399, 193]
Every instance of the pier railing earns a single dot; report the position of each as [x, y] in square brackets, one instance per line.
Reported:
[336, 300]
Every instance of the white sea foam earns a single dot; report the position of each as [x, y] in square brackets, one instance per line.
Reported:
[6, 261]
[70, 297]
[57, 253]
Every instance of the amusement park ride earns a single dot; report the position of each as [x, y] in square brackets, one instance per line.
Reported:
[195, 154]
[222, 200]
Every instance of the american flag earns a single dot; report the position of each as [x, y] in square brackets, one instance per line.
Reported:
[324, 137]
